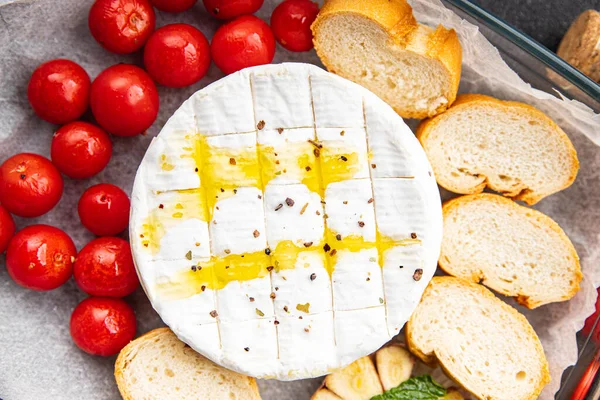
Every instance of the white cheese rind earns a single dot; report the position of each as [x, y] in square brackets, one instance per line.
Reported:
[336, 104]
[400, 269]
[345, 319]
[284, 222]
[245, 301]
[357, 280]
[235, 221]
[307, 284]
[281, 100]
[225, 107]
[350, 210]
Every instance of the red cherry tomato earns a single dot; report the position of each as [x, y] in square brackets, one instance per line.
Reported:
[177, 55]
[124, 100]
[104, 267]
[227, 9]
[30, 185]
[244, 42]
[173, 6]
[104, 209]
[121, 26]
[80, 150]
[291, 21]
[591, 320]
[102, 326]
[59, 91]
[40, 257]
[7, 228]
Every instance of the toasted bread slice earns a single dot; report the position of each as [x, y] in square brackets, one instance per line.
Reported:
[325, 394]
[394, 365]
[157, 365]
[453, 394]
[512, 249]
[379, 45]
[358, 381]
[510, 147]
[580, 45]
[481, 342]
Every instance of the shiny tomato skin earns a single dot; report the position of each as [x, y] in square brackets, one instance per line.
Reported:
[40, 257]
[227, 9]
[102, 326]
[121, 26]
[59, 91]
[104, 209]
[244, 42]
[124, 100]
[177, 55]
[291, 21]
[7, 228]
[104, 267]
[80, 150]
[30, 185]
[173, 6]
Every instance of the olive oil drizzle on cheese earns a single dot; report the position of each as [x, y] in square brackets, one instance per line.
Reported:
[222, 171]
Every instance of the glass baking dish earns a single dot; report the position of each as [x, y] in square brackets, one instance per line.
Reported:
[544, 70]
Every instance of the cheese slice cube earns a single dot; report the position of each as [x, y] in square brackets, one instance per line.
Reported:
[391, 146]
[350, 212]
[403, 267]
[357, 280]
[175, 226]
[225, 108]
[194, 310]
[401, 209]
[344, 154]
[301, 283]
[308, 341]
[301, 222]
[250, 345]
[238, 224]
[286, 157]
[207, 334]
[360, 331]
[335, 106]
[168, 165]
[245, 300]
[281, 100]
[229, 162]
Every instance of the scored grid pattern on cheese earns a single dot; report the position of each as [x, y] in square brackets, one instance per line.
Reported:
[232, 303]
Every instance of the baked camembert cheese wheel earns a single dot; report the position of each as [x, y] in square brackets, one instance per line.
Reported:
[285, 222]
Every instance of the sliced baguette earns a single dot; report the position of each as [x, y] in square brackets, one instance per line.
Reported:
[358, 381]
[157, 366]
[510, 147]
[325, 394]
[481, 342]
[512, 249]
[580, 46]
[394, 365]
[379, 45]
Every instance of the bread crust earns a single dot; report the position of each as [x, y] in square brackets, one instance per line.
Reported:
[396, 18]
[132, 348]
[542, 219]
[432, 359]
[580, 44]
[427, 126]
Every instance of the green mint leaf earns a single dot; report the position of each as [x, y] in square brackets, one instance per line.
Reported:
[417, 388]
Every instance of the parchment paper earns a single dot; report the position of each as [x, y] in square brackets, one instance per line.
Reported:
[37, 357]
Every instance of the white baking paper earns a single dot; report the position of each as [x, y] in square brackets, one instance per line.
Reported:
[37, 357]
